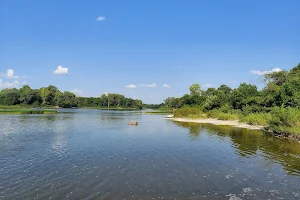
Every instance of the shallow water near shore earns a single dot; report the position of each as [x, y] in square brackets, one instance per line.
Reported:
[94, 154]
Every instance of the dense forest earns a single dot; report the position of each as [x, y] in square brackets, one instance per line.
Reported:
[276, 105]
[51, 96]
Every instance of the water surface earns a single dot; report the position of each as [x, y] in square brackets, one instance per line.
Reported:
[92, 154]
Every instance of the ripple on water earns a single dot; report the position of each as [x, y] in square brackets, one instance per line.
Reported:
[95, 154]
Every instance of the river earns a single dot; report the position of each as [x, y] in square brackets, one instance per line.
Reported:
[92, 154]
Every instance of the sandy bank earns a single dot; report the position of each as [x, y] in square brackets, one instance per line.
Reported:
[234, 123]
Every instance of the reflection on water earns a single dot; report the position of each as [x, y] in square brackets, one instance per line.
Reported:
[249, 143]
[93, 154]
[194, 129]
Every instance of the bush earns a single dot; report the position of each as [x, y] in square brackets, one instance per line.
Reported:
[228, 116]
[225, 108]
[222, 116]
[190, 112]
[285, 120]
[257, 118]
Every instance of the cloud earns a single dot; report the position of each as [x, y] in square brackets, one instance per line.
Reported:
[100, 18]
[232, 81]
[61, 70]
[14, 84]
[131, 86]
[260, 73]
[148, 85]
[77, 92]
[208, 85]
[10, 74]
[166, 85]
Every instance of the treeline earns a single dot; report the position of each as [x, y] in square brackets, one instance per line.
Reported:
[51, 96]
[276, 105]
[282, 89]
[154, 106]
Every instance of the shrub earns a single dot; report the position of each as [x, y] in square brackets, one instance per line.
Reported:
[222, 116]
[257, 118]
[225, 108]
[285, 120]
[190, 112]
[228, 116]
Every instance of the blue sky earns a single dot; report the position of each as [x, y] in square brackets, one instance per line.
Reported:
[146, 44]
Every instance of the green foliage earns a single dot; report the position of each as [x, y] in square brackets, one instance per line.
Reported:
[195, 90]
[189, 112]
[247, 103]
[22, 111]
[51, 97]
[285, 119]
[154, 106]
[244, 95]
[290, 92]
[217, 114]
[256, 119]
[226, 108]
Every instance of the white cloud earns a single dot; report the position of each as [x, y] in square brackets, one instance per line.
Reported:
[61, 70]
[100, 18]
[260, 72]
[166, 85]
[10, 74]
[208, 85]
[131, 86]
[148, 85]
[14, 84]
[77, 92]
[232, 81]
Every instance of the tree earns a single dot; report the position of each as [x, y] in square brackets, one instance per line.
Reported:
[290, 92]
[244, 95]
[168, 102]
[44, 92]
[226, 89]
[67, 100]
[195, 90]
[51, 96]
[104, 100]
[276, 78]
[26, 95]
[11, 96]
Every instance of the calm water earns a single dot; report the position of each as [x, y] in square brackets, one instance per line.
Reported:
[91, 154]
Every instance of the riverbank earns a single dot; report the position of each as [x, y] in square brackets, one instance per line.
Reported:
[234, 123]
[238, 124]
[158, 113]
[27, 111]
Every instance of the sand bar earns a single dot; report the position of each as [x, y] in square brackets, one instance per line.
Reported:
[234, 123]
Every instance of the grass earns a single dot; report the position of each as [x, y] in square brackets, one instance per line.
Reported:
[22, 107]
[158, 113]
[113, 108]
[222, 116]
[26, 111]
[286, 120]
[189, 112]
[261, 119]
[163, 109]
